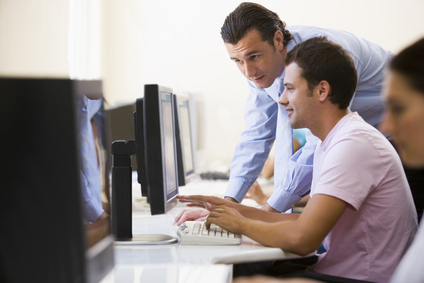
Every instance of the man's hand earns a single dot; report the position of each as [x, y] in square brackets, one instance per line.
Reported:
[191, 215]
[227, 218]
[255, 192]
[205, 201]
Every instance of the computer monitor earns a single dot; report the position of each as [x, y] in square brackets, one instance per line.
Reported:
[160, 148]
[155, 150]
[140, 155]
[183, 135]
[41, 216]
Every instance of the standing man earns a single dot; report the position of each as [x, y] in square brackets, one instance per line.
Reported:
[258, 41]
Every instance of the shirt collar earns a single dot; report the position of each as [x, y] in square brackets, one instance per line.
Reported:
[327, 141]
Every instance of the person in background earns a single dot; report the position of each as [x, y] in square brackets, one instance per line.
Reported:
[404, 121]
[93, 168]
[358, 178]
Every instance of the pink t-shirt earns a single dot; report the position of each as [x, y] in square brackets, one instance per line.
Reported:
[356, 163]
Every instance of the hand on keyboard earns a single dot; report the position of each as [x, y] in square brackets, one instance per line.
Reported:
[195, 233]
[222, 212]
[191, 215]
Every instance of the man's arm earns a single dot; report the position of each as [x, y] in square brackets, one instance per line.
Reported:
[255, 143]
[211, 203]
[297, 181]
[299, 233]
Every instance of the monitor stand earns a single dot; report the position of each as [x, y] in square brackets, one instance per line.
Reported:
[121, 203]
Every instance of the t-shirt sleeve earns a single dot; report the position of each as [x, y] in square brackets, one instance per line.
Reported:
[348, 171]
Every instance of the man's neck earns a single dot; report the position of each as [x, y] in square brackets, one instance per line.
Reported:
[329, 120]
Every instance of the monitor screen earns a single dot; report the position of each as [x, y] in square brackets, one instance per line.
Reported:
[94, 167]
[41, 211]
[160, 148]
[184, 140]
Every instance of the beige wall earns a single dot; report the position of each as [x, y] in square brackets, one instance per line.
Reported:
[177, 43]
[33, 38]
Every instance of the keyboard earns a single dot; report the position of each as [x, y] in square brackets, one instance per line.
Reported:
[195, 233]
[214, 175]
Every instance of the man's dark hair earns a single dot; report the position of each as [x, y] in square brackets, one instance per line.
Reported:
[248, 16]
[410, 63]
[322, 60]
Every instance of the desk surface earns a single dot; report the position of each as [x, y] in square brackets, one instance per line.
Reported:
[176, 262]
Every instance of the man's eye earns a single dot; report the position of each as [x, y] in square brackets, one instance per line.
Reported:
[397, 110]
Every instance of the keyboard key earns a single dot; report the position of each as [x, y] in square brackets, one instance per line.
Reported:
[197, 234]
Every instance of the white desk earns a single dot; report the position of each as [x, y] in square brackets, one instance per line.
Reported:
[181, 263]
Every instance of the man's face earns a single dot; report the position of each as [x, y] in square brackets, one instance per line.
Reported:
[298, 100]
[257, 60]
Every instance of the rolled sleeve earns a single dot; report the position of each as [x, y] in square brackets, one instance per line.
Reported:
[237, 188]
[293, 189]
[297, 182]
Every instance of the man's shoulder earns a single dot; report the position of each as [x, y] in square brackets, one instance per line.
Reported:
[312, 30]
[354, 128]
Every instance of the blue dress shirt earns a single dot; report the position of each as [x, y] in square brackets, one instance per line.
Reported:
[292, 180]
[89, 171]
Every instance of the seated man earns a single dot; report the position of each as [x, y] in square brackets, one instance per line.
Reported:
[361, 207]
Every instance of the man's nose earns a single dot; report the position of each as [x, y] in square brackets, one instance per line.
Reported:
[282, 100]
[249, 70]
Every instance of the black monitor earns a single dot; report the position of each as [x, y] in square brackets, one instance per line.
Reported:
[41, 218]
[160, 148]
[140, 155]
[183, 135]
[155, 150]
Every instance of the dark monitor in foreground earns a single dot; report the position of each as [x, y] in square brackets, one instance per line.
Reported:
[42, 235]
[183, 135]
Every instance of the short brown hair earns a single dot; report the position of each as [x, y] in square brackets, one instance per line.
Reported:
[320, 59]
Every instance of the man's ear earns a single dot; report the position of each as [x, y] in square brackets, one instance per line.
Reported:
[278, 40]
[324, 89]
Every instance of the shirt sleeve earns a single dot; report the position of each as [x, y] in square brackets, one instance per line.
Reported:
[335, 174]
[255, 143]
[297, 182]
